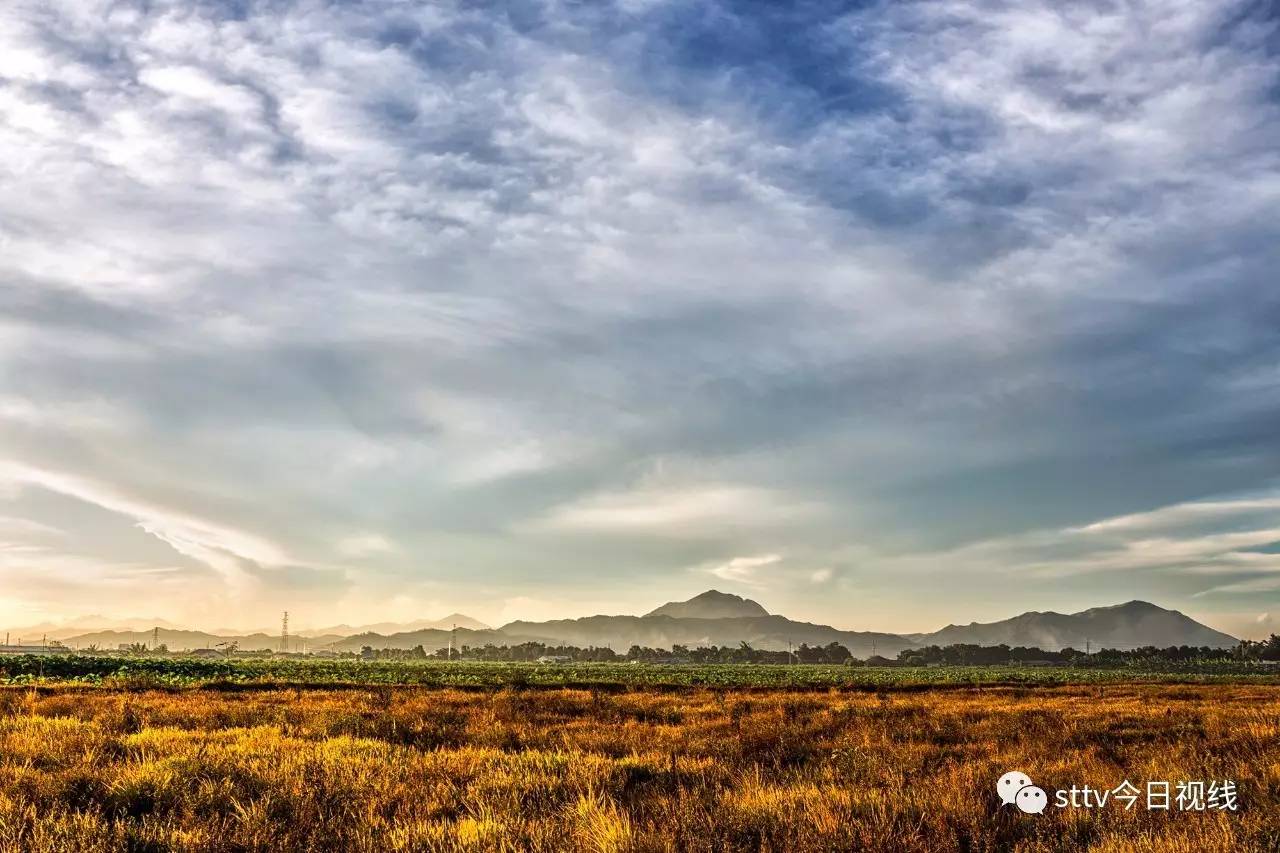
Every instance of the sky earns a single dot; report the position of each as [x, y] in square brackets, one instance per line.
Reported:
[886, 315]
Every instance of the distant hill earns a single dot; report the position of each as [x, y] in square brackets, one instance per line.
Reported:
[175, 640]
[1122, 626]
[81, 624]
[711, 604]
[444, 624]
[462, 621]
[712, 618]
[657, 630]
[430, 639]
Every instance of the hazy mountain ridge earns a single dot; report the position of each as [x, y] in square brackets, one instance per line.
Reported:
[430, 639]
[83, 624]
[175, 639]
[1123, 626]
[445, 623]
[761, 632]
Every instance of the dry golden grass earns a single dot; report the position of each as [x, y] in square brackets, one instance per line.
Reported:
[416, 769]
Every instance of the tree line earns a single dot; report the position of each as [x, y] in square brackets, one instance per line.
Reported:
[964, 654]
[741, 653]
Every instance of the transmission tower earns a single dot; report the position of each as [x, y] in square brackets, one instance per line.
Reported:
[284, 632]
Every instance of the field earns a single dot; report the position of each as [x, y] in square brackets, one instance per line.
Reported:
[370, 768]
[187, 672]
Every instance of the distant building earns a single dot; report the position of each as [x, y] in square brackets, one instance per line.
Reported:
[31, 650]
[207, 653]
[555, 659]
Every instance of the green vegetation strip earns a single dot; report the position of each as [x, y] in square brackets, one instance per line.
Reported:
[186, 672]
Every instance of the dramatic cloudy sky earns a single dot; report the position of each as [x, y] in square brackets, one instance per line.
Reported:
[887, 315]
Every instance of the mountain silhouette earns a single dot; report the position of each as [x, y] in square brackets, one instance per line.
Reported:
[444, 623]
[712, 618]
[1121, 626]
[722, 619]
[711, 604]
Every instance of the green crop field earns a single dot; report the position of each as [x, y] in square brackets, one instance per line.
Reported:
[185, 672]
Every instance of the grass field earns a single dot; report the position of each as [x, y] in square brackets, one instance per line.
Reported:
[412, 768]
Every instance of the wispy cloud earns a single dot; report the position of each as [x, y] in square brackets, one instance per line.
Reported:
[222, 549]
[744, 570]
[678, 512]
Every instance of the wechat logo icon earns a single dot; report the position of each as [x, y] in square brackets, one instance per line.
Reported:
[1016, 787]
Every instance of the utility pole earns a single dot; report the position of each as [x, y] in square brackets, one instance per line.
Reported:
[155, 638]
[453, 638]
[284, 633]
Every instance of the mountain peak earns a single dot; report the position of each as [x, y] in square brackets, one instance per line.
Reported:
[462, 620]
[1134, 606]
[712, 604]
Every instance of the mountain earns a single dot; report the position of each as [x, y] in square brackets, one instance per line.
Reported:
[444, 624]
[174, 639]
[712, 618]
[711, 604]
[430, 639]
[762, 632]
[81, 624]
[1122, 626]
[462, 620]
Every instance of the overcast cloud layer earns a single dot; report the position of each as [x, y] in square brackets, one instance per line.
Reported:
[887, 315]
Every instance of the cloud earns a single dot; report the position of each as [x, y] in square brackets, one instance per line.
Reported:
[1201, 549]
[744, 570]
[1185, 514]
[365, 545]
[820, 576]
[938, 285]
[222, 549]
[676, 512]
